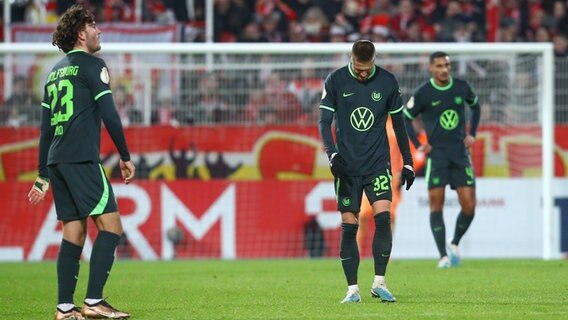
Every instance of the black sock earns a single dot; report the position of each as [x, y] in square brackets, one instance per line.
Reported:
[101, 263]
[382, 242]
[439, 231]
[67, 270]
[462, 224]
[349, 252]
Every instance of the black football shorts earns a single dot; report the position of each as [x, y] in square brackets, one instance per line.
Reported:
[349, 190]
[80, 190]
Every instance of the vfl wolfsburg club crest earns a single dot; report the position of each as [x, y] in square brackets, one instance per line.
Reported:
[458, 100]
[449, 119]
[346, 202]
[376, 96]
[362, 119]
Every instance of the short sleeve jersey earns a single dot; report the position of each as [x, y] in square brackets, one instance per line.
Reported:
[443, 110]
[361, 109]
[71, 92]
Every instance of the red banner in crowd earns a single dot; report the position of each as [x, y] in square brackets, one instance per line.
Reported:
[267, 152]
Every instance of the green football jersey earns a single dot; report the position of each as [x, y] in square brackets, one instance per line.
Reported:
[361, 109]
[443, 110]
[71, 92]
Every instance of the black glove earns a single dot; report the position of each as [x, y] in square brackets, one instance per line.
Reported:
[337, 165]
[407, 176]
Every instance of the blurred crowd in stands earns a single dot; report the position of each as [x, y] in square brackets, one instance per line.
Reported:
[274, 97]
[338, 20]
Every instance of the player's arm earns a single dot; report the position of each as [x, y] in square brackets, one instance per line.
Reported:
[324, 126]
[409, 116]
[398, 124]
[337, 164]
[41, 184]
[473, 103]
[113, 125]
[399, 127]
[397, 117]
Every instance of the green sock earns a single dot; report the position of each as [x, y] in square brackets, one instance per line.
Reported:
[439, 231]
[101, 263]
[462, 224]
[349, 252]
[382, 242]
[67, 271]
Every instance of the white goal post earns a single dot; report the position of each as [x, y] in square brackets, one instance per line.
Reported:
[211, 59]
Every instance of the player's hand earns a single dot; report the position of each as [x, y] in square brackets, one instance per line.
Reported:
[407, 176]
[468, 141]
[337, 165]
[127, 170]
[426, 148]
[39, 190]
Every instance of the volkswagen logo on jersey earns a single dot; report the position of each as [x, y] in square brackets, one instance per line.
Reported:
[449, 119]
[362, 119]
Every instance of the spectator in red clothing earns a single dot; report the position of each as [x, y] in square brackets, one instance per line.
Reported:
[400, 22]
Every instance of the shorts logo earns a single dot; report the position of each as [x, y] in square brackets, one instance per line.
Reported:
[376, 96]
[449, 119]
[362, 119]
[458, 100]
[435, 180]
[346, 202]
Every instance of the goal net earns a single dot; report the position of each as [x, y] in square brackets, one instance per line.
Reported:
[237, 123]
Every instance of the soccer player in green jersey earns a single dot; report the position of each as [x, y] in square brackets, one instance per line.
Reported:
[441, 103]
[360, 96]
[76, 98]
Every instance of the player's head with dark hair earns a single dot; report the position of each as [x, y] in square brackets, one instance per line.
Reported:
[440, 67]
[363, 51]
[362, 59]
[437, 54]
[74, 21]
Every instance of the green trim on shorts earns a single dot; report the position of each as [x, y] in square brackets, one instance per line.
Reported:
[104, 198]
[337, 190]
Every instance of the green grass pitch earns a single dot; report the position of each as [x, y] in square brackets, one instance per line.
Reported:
[301, 289]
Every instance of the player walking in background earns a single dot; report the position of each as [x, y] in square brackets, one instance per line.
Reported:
[360, 96]
[76, 97]
[441, 103]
